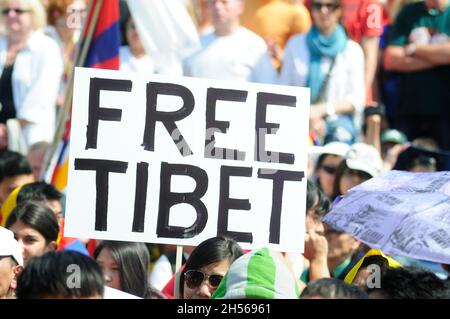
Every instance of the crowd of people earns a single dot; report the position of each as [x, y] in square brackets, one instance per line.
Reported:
[378, 74]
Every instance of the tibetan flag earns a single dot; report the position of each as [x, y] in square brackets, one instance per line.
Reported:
[60, 162]
[101, 40]
[102, 53]
[313, 140]
[103, 50]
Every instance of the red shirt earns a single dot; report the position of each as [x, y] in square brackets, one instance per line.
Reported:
[362, 18]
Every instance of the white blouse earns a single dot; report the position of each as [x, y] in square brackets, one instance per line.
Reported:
[129, 63]
[346, 81]
[35, 82]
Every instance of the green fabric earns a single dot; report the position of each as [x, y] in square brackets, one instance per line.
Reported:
[416, 15]
[258, 274]
[393, 136]
[341, 268]
[305, 276]
[261, 274]
[424, 92]
[222, 289]
[336, 273]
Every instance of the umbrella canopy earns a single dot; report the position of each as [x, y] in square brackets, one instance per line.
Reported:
[401, 213]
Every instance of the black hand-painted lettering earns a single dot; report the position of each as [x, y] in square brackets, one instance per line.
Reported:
[167, 199]
[140, 197]
[168, 119]
[226, 203]
[102, 169]
[262, 127]
[278, 177]
[214, 95]
[97, 113]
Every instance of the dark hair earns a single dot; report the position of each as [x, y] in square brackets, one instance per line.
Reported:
[425, 161]
[343, 169]
[13, 164]
[124, 12]
[412, 283]
[322, 158]
[51, 274]
[38, 191]
[446, 267]
[38, 216]
[210, 251]
[376, 260]
[133, 261]
[332, 288]
[316, 198]
[320, 161]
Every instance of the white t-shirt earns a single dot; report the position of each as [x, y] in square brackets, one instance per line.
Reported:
[128, 62]
[161, 273]
[231, 57]
[111, 293]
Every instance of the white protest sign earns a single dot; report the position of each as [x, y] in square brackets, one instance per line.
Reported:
[179, 160]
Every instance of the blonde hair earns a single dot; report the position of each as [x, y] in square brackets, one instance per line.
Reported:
[37, 11]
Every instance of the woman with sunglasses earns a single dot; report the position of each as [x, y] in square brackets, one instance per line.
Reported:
[332, 66]
[30, 68]
[331, 155]
[206, 266]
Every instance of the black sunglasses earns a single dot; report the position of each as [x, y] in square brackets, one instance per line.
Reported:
[75, 10]
[330, 6]
[6, 11]
[329, 169]
[194, 278]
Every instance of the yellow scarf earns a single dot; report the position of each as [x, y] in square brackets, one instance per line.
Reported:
[373, 252]
[9, 204]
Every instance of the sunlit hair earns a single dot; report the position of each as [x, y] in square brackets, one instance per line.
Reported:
[37, 11]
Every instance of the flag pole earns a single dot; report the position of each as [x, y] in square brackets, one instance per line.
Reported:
[80, 56]
[177, 272]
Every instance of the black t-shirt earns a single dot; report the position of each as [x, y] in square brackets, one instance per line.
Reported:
[424, 92]
[7, 108]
